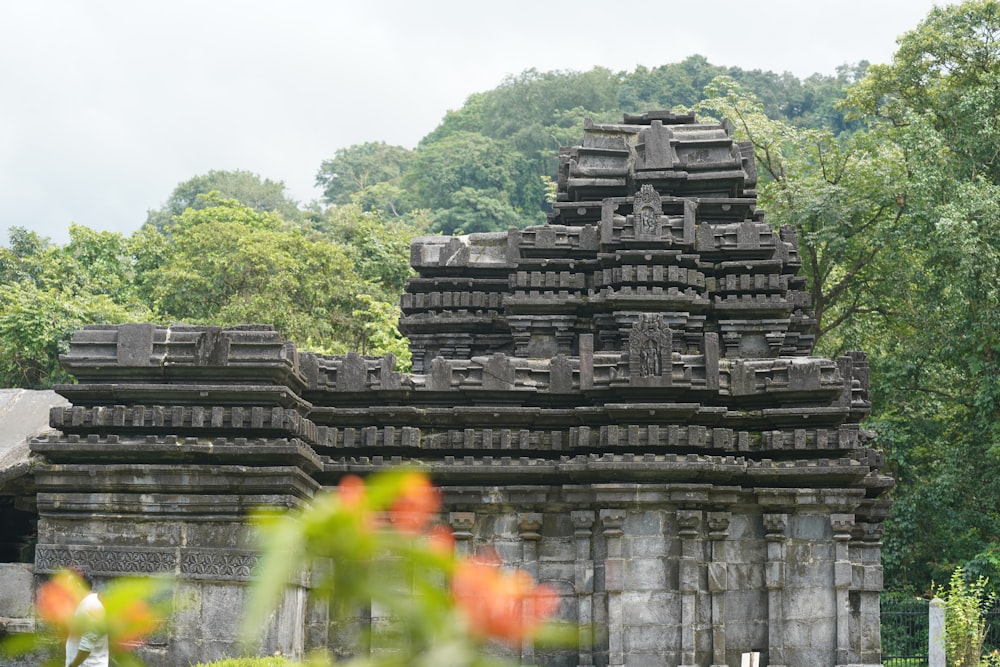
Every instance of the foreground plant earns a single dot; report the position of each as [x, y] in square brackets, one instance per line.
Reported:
[965, 607]
[132, 610]
[374, 545]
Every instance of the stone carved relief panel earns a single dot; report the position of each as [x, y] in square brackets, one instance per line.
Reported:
[647, 212]
[650, 349]
[201, 564]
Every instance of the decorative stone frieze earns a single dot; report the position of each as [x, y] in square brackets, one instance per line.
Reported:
[194, 564]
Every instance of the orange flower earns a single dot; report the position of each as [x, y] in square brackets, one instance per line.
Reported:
[352, 501]
[132, 624]
[503, 605]
[418, 502]
[351, 491]
[59, 597]
[440, 540]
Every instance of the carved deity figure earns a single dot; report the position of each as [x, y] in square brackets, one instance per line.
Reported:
[647, 220]
[649, 359]
[647, 212]
[649, 347]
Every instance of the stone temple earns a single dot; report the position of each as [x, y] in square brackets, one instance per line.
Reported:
[623, 401]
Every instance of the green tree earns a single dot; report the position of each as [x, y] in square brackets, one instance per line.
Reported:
[530, 111]
[379, 250]
[474, 183]
[470, 117]
[51, 291]
[379, 246]
[536, 112]
[263, 195]
[948, 69]
[362, 167]
[36, 325]
[936, 364]
[26, 256]
[965, 606]
[840, 194]
[675, 85]
[809, 103]
[227, 264]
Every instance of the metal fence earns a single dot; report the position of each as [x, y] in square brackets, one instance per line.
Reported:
[905, 630]
[992, 642]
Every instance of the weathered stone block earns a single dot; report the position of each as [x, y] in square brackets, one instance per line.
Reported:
[614, 571]
[718, 577]
[553, 572]
[843, 575]
[644, 523]
[658, 607]
[809, 603]
[646, 574]
[811, 527]
[652, 638]
[16, 590]
[647, 546]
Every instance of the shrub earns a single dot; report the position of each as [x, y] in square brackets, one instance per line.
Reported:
[966, 604]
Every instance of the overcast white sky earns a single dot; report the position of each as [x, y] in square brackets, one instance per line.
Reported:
[106, 105]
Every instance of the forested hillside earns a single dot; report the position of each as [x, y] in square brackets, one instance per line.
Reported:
[889, 173]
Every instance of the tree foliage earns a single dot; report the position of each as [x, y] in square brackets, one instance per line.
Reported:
[484, 167]
[223, 263]
[50, 291]
[966, 604]
[936, 362]
[355, 169]
[840, 193]
[809, 103]
[473, 183]
[263, 195]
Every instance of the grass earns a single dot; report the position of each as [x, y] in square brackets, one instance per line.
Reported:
[249, 662]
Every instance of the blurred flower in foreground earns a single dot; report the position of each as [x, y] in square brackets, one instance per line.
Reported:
[351, 492]
[499, 604]
[440, 540]
[417, 505]
[134, 608]
[58, 598]
[132, 625]
[373, 543]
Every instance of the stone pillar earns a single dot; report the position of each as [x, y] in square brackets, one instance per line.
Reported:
[461, 529]
[718, 583]
[774, 580]
[867, 541]
[528, 526]
[583, 525]
[842, 579]
[935, 634]
[688, 523]
[613, 521]
[586, 361]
